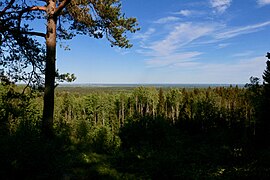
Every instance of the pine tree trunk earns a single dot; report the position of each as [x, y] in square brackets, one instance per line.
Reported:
[136, 106]
[173, 114]
[122, 112]
[103, 118]
[130, 110]
[119, 117]
[48, 109]
[177, 112]
[153, 110]
[96, 118]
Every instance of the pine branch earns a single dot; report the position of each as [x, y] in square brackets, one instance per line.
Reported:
[61, 6]
[34, 33]
[7, 7]
[34, 8]
[268, 55]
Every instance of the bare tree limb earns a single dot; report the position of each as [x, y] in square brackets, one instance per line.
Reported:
[7, 7]
[34, 33]
[34, 8]
[40, 34]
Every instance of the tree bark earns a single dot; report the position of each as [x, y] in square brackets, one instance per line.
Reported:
[48, 109]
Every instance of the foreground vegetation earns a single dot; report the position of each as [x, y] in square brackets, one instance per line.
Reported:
[140, 133]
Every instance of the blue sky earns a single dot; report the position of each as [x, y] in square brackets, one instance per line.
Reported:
[180, 41]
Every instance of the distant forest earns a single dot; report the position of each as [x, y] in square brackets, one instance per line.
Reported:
[138, 133]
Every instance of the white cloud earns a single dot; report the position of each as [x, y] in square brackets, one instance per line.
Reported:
[241, 30]
[263, 2]
[243, 54]
[177, 59]
[223, 45]
[173, 47]
[182, 34]
[185, 12]
[167, 20]
[144, 36]
[168, 50]
[188, 34]
[220, 6]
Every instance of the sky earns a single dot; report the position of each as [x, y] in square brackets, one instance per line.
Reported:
[180, 41]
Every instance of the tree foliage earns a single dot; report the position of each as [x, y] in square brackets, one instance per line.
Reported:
[266, 74]
[21, 55]
[265, 115]
[19, 49]
[111, 132]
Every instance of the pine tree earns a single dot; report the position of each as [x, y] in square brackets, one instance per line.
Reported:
[265, 109]
[266, 74]
[19, 50]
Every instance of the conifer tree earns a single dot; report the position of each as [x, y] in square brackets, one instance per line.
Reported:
[19, 49]
[266, 74]
[266, 99]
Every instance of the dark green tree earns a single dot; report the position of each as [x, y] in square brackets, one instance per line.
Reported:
[266, 74]
[266, 98]
[64, 19]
